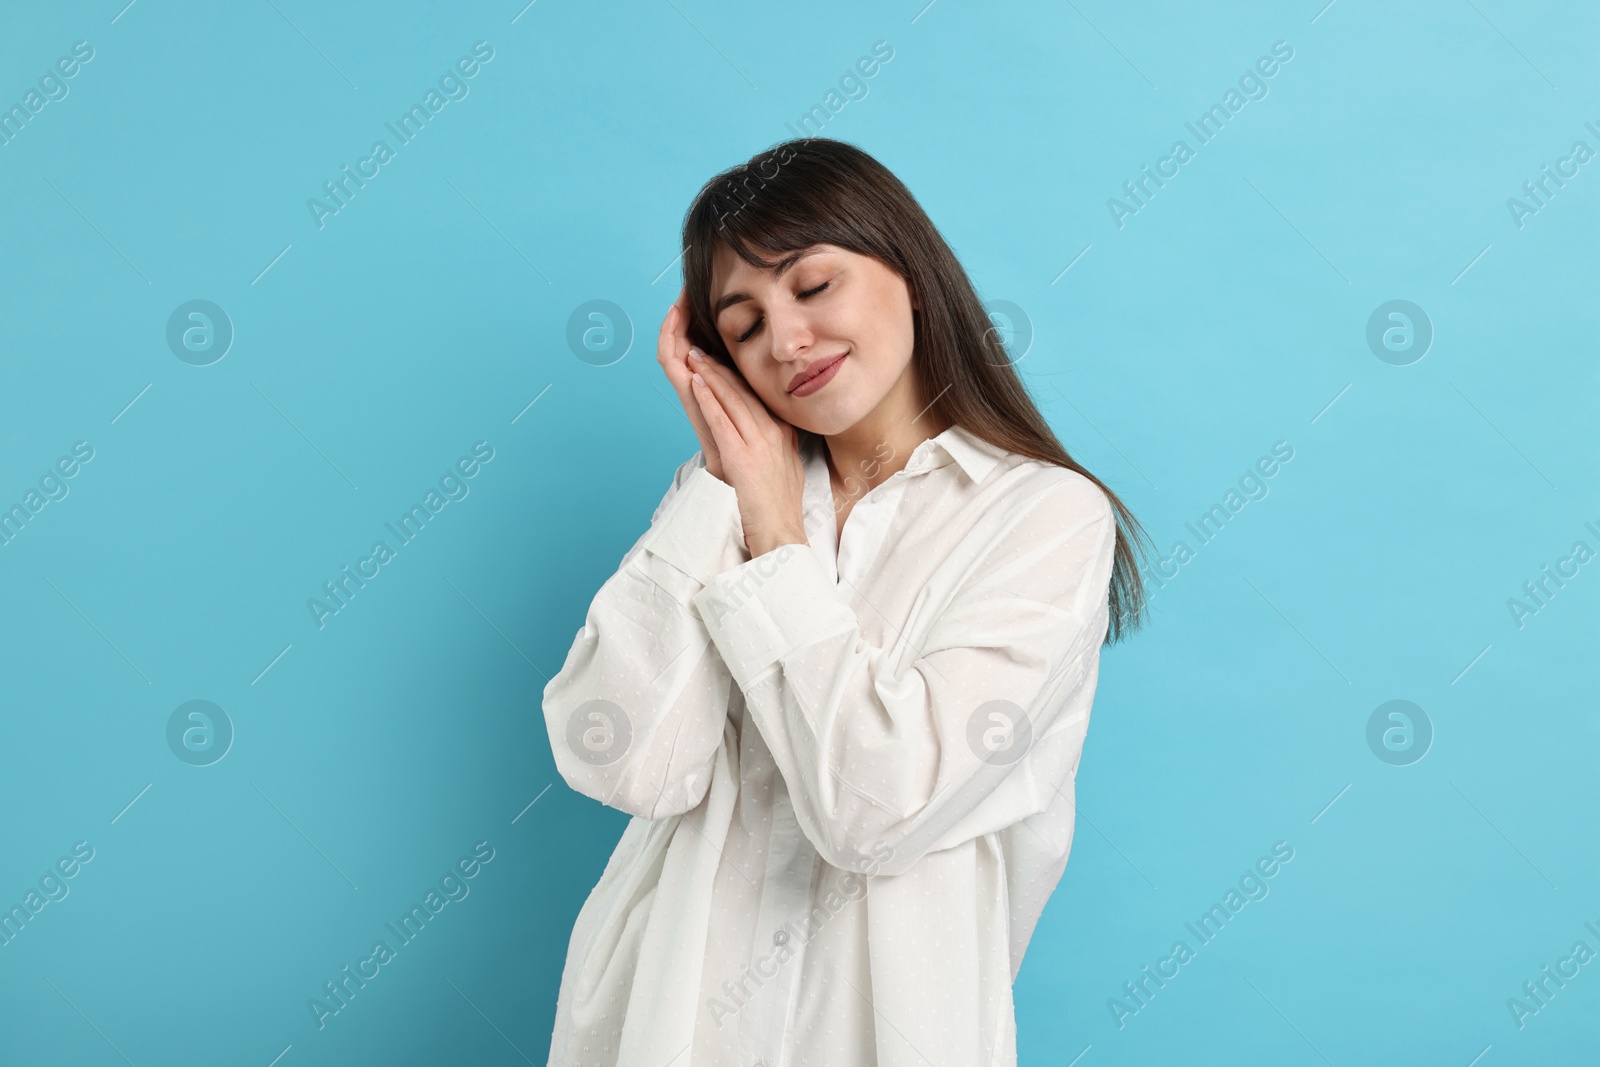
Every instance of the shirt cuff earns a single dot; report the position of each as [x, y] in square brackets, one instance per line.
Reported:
[761, 611]
[701, 533]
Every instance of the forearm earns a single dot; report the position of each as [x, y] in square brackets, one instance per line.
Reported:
[638, 709]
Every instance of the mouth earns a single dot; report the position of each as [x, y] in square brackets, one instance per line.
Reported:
[816, 376]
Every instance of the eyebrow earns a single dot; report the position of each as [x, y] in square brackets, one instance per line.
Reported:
[778, 269]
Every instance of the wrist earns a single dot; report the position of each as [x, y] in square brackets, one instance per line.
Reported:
[765, 542]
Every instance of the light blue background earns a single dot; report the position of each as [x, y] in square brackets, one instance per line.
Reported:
[428, 314]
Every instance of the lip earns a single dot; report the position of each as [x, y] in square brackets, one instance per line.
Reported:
[816, 376]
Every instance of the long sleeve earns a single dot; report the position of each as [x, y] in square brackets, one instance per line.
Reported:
[636, 713]
[893, 752]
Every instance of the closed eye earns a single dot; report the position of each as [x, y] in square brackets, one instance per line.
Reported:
[751, 331]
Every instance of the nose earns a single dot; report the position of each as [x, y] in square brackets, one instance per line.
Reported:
[790, 331]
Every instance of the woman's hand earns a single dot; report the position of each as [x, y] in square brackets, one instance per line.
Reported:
[760, 456]
[672, 352]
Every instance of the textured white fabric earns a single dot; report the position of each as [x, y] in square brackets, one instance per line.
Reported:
[842, 839]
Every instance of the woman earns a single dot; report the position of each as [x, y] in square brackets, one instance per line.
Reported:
[842, 682]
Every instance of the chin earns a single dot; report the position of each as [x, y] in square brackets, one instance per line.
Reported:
[826, 420]
[838, 406]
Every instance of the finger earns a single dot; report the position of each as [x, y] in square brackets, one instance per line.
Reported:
[722, 428]
[672, 348]
[696, 411]
[699, 401]
[671, 344]
[680, 324]
[672, 363]
[673, 340]
[731, 399]
[735, 387]
[664, 338]
[724, 371]
[681, 346]
[761, 416]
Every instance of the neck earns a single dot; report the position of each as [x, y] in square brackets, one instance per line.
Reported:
[868, 453]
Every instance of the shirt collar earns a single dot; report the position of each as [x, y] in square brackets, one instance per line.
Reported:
[975, 456]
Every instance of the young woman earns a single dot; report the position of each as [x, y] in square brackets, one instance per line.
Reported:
[842, 682]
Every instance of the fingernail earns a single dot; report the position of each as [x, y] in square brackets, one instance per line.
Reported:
[696, 355]
[699, 380]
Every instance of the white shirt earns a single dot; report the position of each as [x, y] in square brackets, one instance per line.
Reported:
[841, 842]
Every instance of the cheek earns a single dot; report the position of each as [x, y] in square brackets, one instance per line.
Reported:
[889, 355]
[768, 387]
[889, 336]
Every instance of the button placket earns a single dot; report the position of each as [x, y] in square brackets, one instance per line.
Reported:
[860, 542]
[819, 514]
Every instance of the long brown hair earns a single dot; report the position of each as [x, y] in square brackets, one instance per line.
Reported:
[817, 190]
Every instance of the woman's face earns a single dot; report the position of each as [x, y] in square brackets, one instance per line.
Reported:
[828, 302]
